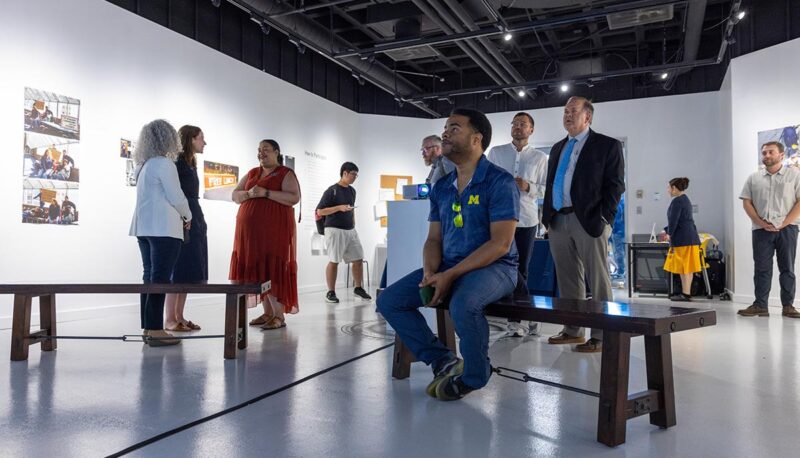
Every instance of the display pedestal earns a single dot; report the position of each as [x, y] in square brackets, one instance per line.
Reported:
[407, 232]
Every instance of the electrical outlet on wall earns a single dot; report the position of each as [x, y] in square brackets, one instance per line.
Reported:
[640, 193]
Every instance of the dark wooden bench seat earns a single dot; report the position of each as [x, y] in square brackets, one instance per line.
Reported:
[619, 322]
[22, 337]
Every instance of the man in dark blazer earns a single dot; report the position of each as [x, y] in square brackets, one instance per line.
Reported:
[585, 180]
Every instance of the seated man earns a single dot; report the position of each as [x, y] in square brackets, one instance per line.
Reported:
[469, 257]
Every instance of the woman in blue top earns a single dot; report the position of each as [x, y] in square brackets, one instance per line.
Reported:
[684, 251]
[192, 264]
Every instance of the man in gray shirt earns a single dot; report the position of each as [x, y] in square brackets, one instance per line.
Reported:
[432, 155]
[771, 198]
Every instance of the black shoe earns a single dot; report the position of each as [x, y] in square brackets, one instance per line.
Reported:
[680, 297]
[331, 298]
[359, 291]
[452, 389]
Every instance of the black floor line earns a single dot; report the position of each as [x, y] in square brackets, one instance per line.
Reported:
[254, 400]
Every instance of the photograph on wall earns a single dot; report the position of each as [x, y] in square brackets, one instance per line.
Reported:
[220, 180]
[50, 202]
[50, 158]
[52, 114]
[288, 161]
[789, 136]
[126, 148]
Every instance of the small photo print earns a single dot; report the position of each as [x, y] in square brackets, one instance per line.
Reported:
[50, 202]
[53, 114]
[126, 148]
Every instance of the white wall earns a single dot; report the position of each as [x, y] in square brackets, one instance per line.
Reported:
[764, 91]
[127, 71]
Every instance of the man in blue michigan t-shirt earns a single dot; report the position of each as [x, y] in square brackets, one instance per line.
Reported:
[469, 257]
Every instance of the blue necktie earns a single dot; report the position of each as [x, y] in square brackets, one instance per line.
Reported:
[561, 171]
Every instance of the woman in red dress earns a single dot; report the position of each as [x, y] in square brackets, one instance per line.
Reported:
[265, 242]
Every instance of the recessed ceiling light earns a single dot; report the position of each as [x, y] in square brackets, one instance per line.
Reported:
[564, 87]
[508, 37]
[521, 93]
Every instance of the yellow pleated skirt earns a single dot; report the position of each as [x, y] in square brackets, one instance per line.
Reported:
[683, 260]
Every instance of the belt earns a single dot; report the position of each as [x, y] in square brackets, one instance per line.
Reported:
[566, 211]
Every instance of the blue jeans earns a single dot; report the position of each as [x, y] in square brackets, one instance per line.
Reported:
[159, 255]
[470, 294]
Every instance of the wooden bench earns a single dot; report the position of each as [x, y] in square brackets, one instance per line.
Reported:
[619, 323]
[22, 337]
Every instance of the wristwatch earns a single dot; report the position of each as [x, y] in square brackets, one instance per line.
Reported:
[267, 193]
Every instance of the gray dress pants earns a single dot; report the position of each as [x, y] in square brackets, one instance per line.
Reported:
[577, 254]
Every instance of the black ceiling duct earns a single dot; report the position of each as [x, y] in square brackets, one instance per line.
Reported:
[409, 27]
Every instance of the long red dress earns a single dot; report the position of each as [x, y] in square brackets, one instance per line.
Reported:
[265, 241]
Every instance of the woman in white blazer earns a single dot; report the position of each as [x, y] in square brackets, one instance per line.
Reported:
[162, 213]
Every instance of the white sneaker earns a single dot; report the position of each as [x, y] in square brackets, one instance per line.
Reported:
[518, 329]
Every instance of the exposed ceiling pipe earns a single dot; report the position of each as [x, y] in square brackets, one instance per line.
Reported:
[695, 16]
[577, 79]
[491, 31]
[317, 37]
[461, 13]
[425, 7]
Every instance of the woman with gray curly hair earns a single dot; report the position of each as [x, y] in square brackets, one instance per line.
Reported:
[162, 213]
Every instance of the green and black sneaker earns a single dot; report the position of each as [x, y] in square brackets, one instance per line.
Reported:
[453, 367]
[452, 389]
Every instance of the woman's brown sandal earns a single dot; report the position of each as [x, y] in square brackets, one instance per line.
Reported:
[261, 321]
[274, 323]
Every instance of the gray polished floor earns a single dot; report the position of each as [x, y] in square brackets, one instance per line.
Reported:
[736, 384]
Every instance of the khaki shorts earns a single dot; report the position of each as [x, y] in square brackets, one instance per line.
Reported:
[343, 245]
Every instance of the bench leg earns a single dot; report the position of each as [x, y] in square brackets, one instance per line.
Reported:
[611, 416]
[446, 330]
[231, 323]
[242, 321]
[658, 358]
[401, 362]
[47, 320]
[21, 327]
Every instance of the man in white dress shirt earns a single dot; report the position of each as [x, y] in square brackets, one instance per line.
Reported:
[529, 168]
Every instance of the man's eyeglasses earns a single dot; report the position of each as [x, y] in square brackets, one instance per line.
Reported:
[427, 148]
[516, 124]
[458, 220]
[354, 174]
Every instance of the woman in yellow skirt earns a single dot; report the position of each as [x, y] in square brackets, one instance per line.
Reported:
[684, 250]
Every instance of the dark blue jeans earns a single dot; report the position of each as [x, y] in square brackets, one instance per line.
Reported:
[470, 294]
[767, 245]
[159, 255]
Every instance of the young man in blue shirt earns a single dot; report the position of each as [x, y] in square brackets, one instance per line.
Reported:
[469, 258]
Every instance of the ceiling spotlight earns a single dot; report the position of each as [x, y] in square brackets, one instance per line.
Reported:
[564, 87]
[508, 36]
[265, 28]
[521, 93]
[664, 75]
[741, 14]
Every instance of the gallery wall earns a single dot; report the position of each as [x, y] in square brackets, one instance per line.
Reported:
[127, 71]
[763, 96]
